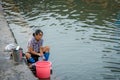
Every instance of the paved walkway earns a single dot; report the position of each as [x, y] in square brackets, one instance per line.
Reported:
[8, 70]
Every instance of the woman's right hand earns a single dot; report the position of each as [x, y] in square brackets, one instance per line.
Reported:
[39, 54]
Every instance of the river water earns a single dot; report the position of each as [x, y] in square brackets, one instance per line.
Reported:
[84, 35]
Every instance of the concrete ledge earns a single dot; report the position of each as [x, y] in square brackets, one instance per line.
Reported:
[19, 72]
[9, 71]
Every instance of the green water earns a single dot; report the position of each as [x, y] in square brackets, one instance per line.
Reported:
[82, 34]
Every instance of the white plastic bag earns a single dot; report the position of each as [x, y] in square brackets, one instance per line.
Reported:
[9, 47]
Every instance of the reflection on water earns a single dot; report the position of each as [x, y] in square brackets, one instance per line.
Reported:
[84, 40]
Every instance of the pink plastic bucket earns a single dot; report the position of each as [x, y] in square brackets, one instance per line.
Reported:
[43, 69]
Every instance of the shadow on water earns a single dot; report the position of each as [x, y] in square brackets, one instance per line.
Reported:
[83, 38]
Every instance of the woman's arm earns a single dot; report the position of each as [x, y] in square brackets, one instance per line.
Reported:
[30, 49]
[41, 50]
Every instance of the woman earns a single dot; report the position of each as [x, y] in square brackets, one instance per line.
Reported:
[36, 49]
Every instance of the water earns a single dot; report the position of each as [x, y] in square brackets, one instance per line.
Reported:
[82, 34]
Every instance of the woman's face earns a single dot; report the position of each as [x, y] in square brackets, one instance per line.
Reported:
[39, 36]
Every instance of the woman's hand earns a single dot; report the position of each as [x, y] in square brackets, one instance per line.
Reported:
[40, 54]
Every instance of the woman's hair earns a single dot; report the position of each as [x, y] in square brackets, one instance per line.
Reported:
[37, 31]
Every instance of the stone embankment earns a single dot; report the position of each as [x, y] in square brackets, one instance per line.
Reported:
[8, 70]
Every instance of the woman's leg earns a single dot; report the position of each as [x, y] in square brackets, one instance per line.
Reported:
[29, 58]
[27, 55]
[46, 50]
